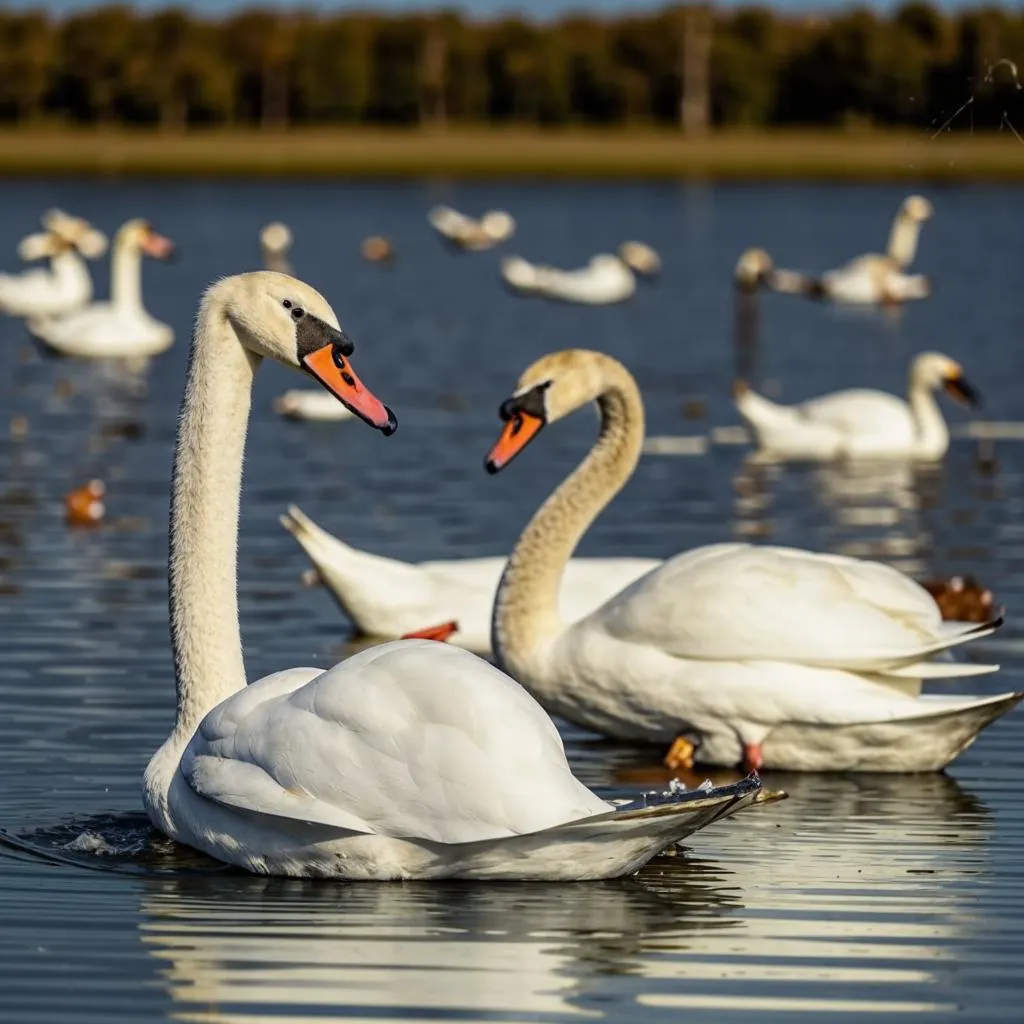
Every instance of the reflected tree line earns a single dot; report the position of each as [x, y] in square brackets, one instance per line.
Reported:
[688, 65]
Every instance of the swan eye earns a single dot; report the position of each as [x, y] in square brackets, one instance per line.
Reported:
[287, 303]
[298, 313]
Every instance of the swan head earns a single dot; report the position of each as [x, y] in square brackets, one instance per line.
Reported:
[40, 245]
[138, 233]
[933, 370]
[276, 237]
[916, 208]
[640, 258]
[498, 224]
[77, 232]
[554, 386]
[279, 317]
[752, 269]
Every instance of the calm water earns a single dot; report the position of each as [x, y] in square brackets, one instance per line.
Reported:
[859, 896]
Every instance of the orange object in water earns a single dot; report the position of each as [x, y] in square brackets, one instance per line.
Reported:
[962, 599]
[84, 505]
[377, 249]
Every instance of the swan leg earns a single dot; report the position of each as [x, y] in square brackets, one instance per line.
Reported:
[680, 754]
[440, 633]
[753, 757]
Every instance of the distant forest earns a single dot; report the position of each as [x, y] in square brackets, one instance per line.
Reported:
[688, 66]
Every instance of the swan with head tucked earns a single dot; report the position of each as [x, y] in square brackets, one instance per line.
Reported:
[275, 244]
[66, 284]
[859, 422]
[773, 656]
[120, 328]
[606, 279]
[388, 598]
[464, 232]
[409, 760]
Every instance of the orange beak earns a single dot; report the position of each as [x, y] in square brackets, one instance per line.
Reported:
[335, 372]
[519, 431]
[440, 633]
[157, 246]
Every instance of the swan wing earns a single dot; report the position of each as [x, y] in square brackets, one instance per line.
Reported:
[410, 739]
[860, 411]
[741, 603]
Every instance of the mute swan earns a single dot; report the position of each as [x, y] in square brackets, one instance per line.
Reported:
[781, 658]
[409, 760]
[66, 284]
[306, 404]
[604, 280]
[872, 279]
[275, 244]
[387, 598]
[120, 328]
[494, 227]
[860, 423]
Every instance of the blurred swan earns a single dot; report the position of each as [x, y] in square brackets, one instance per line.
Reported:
[120, 328]
[860, 423]
[780, 658]
[408, 760]
[306, 404]
[387, 598]
[66, 284]
[275, 244]
[604, 280]
[493, 227]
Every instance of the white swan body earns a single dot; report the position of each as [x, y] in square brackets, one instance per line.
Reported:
[120, 328]
[860, 423]
[306, 404]
[388, 598]
[410, 760]
[491, 229]
[779, 657]
[66, 284]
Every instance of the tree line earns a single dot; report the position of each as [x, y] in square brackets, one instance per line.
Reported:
[693, 65]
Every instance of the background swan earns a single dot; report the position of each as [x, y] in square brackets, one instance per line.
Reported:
[604, 280]
[306, 404]
[860, 423]
[66, 284]
[772, 656]
[412, 759]
[275, 244]
[387, 598]
[491, 229]
[120, 328]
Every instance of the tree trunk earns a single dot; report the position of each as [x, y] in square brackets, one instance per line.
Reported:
[695, 70]
[433, 79]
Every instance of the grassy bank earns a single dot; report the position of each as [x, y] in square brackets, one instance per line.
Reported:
[495, 153]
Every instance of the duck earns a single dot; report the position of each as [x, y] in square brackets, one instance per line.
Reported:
[275, 244]
[872, 279]
[493, 228]
[409, 760]
[388, 598]
[66, 284]
[120, 328]
[608, 278]
[771, 657]
[859, 423]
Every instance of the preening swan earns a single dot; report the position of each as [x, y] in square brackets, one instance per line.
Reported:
[776, 657]
[387, 598]
[604, 280]
[120, 328]
[492, 228]
[66, 284]
[860, 423]
[409, 760]
[275, 244]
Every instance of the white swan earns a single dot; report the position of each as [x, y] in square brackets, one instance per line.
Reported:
[606, 279]
[120, 328]
[779, 657]
[409, 760]
[306, 404]
[387, 598]
[275, 244]
[860, 423]
[492, 228]
[66, 284]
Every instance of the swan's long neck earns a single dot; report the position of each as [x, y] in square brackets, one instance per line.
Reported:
[903, 237]
[68, 267]
[526, 605]
[126, 275]
[932, 432]
[206, 490]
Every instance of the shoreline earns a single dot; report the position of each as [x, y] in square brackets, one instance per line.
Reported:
[513, 153]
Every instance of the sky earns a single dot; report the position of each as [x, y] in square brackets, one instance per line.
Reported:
[539, 9]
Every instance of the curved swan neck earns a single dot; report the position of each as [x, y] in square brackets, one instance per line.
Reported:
[932, 432]
[126, 275]
[207, 485]
[526, 605]
[68, 266]
[903, 238]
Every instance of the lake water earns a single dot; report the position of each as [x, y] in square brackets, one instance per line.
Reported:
[859, 897]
